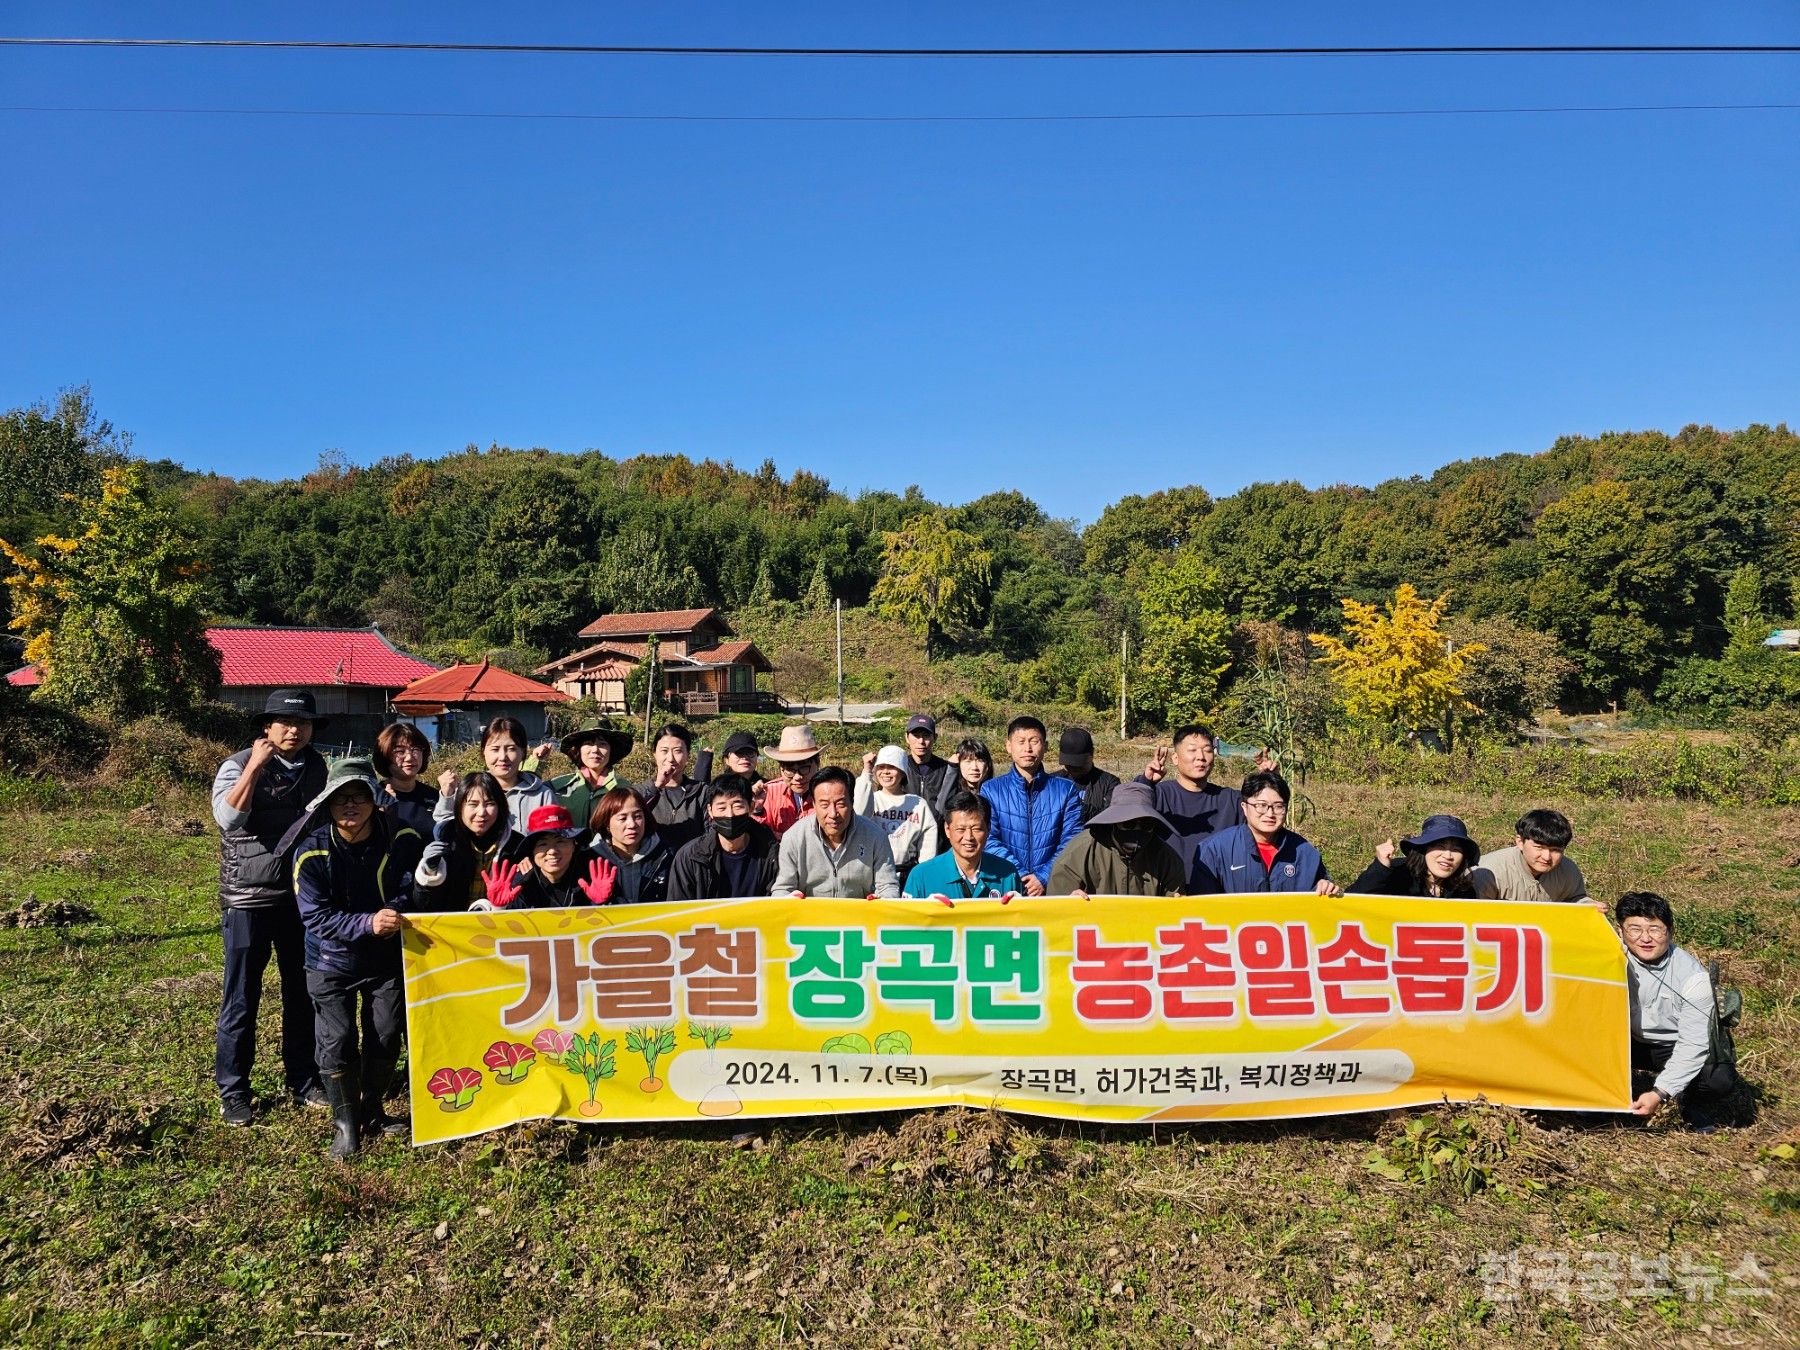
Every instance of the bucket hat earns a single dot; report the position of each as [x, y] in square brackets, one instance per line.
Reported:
[1443, 829]
[620, 741]
[350, 769]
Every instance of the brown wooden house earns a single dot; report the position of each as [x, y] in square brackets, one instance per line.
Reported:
[706, 667]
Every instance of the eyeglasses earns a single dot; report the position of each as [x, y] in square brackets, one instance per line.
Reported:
[1276, 808]
[1645, 930]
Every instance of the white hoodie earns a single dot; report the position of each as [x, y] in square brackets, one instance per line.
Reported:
[912, 831]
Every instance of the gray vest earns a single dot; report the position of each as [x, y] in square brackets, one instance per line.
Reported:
[253, 871]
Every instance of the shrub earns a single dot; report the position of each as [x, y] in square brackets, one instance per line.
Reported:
[1479, 1148]
[38, 736]
[1660, 767]
[160, 750]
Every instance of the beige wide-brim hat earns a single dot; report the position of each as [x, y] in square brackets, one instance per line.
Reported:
[797, 744]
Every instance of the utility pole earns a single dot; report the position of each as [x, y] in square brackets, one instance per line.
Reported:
[840, 660]
[1449, 708]
[1124, 660]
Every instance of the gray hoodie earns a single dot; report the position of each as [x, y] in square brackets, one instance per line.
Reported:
[526, 794]
[863, 866]
[1672, 1002]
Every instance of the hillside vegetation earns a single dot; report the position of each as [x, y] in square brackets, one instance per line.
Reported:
[1645, 566]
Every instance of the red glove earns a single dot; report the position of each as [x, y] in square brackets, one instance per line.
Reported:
[502, 885]
[1009, 897]
[602, 877]
[945, 901]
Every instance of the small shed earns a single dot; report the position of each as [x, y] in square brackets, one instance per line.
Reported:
[465, 698]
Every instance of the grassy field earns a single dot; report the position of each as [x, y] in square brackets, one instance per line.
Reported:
[130, 1215]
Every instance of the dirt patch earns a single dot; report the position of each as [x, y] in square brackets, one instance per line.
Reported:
[953, 1147]
[34, 913]
[150, 816]
[58, 1134]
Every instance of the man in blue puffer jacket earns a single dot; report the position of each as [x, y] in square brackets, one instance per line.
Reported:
[1035, 814]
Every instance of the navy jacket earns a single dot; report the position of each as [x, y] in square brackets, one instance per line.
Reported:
[1032, 823]
[339, 887]
[647, 879]
[1195, 815]
[1227, 863]
[1396, 878]
[412, 810]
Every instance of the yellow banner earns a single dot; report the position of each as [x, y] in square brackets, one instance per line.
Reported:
[1116, 1009]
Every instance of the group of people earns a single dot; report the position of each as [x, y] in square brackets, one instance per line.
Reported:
[319, 863]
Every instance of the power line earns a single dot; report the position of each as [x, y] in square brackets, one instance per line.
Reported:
[921, 53]
[427, 114]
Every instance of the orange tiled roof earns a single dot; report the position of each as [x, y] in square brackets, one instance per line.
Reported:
[672, 621]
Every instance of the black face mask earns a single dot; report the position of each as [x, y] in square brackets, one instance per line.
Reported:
[731, 827]
[1128, 840]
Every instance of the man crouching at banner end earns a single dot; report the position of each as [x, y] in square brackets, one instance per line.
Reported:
[1673, 1010]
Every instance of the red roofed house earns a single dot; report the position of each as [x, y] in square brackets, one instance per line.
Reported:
[465, 698]
[706, 668]
[352, 673]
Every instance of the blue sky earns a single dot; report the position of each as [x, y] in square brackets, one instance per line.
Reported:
[1075, 309]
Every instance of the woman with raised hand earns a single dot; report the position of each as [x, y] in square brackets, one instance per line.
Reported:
[562, 872]
[882, 795]
[471, 851]
[597, 749]
[1434, 862]
[503, 751]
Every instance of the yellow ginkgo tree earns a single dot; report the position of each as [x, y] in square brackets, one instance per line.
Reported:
[114, 616]
[1395, 666]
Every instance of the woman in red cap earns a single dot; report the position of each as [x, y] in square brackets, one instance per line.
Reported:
[562, 872]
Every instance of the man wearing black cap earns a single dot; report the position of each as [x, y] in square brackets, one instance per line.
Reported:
[258, 795]
[925, 772]
[740, 755]
[1075, 752]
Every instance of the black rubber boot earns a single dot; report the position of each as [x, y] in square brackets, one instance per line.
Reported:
[377, 1075]
[338, 1091]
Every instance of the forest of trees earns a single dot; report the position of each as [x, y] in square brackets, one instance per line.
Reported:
[1634, 566]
